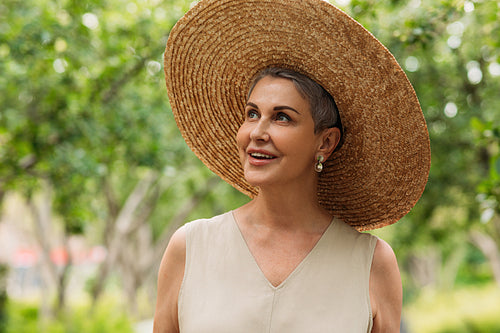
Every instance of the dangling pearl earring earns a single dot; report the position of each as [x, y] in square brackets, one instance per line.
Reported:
[318, 167]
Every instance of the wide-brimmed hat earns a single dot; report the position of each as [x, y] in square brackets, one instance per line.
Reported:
[213, 52]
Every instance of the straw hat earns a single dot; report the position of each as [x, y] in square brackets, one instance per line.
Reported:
[212, 53]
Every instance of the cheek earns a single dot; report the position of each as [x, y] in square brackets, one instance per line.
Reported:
[242, 139]
[293, 142]
[300, 146]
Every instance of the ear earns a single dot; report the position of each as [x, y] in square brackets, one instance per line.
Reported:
[328, 139]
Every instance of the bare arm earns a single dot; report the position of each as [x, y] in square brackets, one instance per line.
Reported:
[170, 277]
[386, 294]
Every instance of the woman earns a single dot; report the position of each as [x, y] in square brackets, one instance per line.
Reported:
[291, 260]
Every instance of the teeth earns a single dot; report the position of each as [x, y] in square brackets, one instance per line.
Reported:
[260, 155]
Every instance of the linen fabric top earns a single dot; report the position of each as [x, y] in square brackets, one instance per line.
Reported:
[224, 290]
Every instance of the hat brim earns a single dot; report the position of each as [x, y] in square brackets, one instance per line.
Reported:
[212, 53]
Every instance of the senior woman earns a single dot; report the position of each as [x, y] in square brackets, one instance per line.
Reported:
[295, 104]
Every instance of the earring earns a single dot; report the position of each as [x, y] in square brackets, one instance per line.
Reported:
[318, 167]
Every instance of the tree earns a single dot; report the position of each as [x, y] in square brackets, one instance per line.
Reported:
[449, 50]
[87, 137]
[85, 114]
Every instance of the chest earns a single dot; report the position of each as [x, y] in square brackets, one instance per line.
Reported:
[227, 287]
[278, 255]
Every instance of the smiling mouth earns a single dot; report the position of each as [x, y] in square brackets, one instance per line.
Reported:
[261, 156]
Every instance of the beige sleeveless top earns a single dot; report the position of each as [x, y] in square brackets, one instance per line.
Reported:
[224, 290]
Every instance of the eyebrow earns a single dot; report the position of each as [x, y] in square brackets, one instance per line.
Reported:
[276, 108]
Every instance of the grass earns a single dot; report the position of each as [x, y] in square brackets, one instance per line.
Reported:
[24, 317]
[466, 310]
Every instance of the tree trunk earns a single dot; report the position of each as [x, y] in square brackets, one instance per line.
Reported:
[423, 267]
[62, 279]
[176, 222]
[4, 270]
[121, 228]
[131, 245]
[42, 229]
[450, 267]
[2, 196]
[489, 248]
[48, 239]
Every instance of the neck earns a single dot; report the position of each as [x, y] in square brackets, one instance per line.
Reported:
[286, 208]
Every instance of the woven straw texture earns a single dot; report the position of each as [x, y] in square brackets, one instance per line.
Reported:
[212, 53]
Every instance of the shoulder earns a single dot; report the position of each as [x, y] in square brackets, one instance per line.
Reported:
[361, 241]
[385, 289]
[199, 230]
[384, 257]
[209, 222]
[170, 276]
[175, 254]
[173, 264]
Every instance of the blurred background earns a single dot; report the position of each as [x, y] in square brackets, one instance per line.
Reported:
[95, 177]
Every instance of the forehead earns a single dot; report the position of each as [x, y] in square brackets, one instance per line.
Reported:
[278, 91]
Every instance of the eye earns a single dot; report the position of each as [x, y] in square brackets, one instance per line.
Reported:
[283, 117]
[252, 114]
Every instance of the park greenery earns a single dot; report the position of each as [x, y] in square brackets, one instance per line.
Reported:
[88, 142]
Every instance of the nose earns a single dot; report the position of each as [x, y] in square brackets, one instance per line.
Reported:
[260, 131]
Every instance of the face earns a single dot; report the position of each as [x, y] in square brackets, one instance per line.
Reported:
[277, 143]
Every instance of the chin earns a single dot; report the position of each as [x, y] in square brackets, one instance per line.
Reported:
[257, 179]
[260, 179]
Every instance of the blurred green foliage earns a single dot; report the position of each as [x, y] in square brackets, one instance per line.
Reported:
[83, 108]
[450, 51]
[107, 317]
[466, 310]
[83, 97]
[3, 297]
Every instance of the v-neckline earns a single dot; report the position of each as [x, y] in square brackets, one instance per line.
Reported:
[295, 270]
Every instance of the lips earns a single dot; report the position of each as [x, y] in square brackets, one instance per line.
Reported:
[260, 157]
